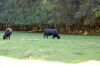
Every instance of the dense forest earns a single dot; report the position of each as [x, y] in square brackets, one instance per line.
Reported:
[68, 16]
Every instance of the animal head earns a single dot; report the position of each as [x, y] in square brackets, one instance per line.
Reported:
[58, 37]
[4, 37]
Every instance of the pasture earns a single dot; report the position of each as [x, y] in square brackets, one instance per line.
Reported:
[70, 48]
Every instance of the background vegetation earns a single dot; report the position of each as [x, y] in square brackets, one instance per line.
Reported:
[68, 16]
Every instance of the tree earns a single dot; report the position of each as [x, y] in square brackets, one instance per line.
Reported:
[53, 13]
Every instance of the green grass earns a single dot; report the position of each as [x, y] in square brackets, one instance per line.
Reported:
[70, 48]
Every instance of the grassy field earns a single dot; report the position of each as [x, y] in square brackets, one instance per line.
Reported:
[70, 48]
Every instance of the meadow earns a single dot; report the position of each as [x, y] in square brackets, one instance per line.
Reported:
[70, 48]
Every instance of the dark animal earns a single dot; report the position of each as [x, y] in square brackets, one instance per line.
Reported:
[51, 32]
[7, 33]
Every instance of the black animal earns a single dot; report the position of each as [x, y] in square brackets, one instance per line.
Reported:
[7, 33]
[51, 32]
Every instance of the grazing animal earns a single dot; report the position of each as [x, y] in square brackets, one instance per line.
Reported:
[51, 32]
[7, 33]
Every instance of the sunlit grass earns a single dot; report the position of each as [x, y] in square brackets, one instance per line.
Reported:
[70, 48]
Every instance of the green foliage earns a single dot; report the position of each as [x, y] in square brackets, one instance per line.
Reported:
[98, 12]
[46, 11]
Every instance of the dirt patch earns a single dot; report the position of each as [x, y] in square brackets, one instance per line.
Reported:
[5, 61]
